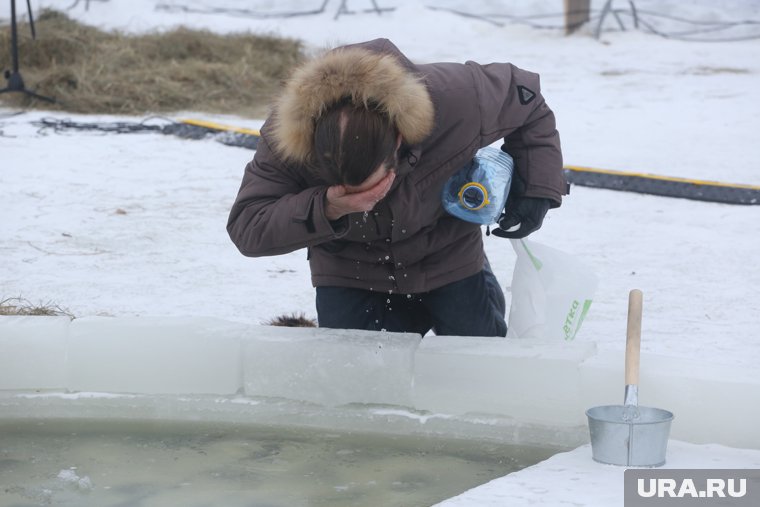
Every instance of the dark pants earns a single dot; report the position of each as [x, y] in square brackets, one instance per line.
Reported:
[474, 306]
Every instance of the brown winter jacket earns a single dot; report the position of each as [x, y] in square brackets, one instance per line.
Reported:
[445, 112]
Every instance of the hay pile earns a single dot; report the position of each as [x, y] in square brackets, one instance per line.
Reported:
[91, 71]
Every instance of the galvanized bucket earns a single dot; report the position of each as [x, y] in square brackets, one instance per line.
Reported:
[620, 436]
[628, 434]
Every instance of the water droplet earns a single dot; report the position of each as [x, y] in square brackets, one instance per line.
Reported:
[365, 216]
[408, 296]
[387, 257]
[403, 231]
[387, 300]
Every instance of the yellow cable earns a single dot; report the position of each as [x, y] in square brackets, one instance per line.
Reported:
[218, 126]
[657, 177]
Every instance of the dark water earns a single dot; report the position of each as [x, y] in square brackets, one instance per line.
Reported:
[135, 464]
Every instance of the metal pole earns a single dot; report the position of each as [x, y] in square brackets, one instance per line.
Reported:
[15, 81]
[14, 37]
[31, 18]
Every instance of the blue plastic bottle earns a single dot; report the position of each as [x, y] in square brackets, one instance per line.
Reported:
[478, 192]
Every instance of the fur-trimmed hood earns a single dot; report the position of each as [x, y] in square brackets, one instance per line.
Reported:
[372, 72]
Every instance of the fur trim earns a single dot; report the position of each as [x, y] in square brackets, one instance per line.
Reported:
[292, 320]
[364, 76]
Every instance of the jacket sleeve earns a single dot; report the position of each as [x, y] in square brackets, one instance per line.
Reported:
[275, 213]
[513, 108]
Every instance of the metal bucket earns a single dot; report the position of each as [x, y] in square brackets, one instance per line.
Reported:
[629, 435]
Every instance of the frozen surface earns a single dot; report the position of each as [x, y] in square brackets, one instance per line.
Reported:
[712, 402]
[330, 367]
[495, 380]
[134, 225]
[456, 376]
[154, 356]
[33, 352]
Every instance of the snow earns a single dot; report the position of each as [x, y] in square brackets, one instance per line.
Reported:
[573, 479]
[134, 225]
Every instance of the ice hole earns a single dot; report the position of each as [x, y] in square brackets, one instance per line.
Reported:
[161, 463]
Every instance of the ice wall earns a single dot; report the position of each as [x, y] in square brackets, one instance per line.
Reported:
[528, 383]
[33, 352]
[329, 367]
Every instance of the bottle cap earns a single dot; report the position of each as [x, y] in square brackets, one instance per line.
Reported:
[473, 195]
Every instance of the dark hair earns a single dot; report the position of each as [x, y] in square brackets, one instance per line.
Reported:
[351, 141]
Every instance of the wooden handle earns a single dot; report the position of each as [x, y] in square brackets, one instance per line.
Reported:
[633, 337]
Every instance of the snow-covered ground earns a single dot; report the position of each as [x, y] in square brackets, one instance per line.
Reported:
[135, 224]
[573, 479]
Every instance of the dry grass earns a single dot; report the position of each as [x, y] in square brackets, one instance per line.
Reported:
[21, 306]
[91, 71]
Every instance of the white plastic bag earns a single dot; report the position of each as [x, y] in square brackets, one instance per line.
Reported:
[552, 292]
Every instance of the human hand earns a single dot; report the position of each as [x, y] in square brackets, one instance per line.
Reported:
[344, 199]
[528, 212]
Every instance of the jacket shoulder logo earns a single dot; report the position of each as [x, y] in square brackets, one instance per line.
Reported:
[525, 95]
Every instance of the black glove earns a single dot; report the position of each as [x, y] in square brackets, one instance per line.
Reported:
[529, 212]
